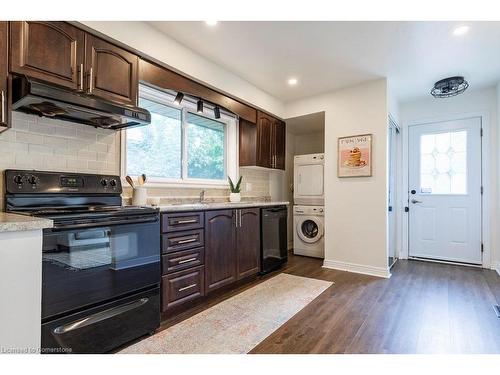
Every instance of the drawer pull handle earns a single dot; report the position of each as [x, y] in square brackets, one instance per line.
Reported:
[186, 221]
[186, 241]
[187, 287]
[186, 260]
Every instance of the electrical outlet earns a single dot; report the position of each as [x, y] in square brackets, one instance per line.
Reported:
[248, 186]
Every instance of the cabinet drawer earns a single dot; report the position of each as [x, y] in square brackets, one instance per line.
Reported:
[182, 287]
[177, 241]
[180, 260]
[181, 221]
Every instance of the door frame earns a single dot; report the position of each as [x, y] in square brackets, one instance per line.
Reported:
[485, 180]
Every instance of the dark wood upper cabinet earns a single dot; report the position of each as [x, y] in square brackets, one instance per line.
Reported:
[50, 51]
[4, 94]
[220, 245]
[278, 144]
[112, 72]
[264, 140]
[262, 144]
[248, 242]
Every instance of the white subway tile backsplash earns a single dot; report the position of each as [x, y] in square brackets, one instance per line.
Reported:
[40, 149]
[39, 143]
[56, 142]
[32, 138]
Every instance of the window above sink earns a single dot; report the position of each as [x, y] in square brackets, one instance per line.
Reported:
[181, 146]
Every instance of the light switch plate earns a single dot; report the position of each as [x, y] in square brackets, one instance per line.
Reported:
[248, 186]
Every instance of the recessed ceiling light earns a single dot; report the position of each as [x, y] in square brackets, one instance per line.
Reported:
[211, 23]
[292, 81]
[461, 30]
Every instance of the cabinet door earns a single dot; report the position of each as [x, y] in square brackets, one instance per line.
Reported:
[50, 51]
[112, 73]
[4, 113]
[279, 136]
[220, 249]
[248, 242]
[264, 140]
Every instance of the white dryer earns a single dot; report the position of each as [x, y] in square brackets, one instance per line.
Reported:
[308, 179]
[309, 231]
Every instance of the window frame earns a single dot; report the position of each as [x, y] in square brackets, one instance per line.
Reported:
[231, 144]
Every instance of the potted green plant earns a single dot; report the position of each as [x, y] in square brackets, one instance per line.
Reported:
[235, 190]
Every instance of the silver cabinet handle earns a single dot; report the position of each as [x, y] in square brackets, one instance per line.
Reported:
[3, 109]
[186, 241]
[100, 316]
[186, 221]
[416, 201]
[186, 260]
[240, 218]
[187, 287]
[81, 77]
[90, 81]
[236, 216]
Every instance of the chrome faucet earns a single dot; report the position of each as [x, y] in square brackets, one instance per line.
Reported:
[202, 196]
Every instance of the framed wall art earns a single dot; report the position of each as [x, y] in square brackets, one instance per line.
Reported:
[355, 156]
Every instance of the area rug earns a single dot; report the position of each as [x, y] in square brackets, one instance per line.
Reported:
[238, 324]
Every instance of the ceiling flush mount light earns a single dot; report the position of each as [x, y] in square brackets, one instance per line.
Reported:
[199, 106]
[461, 30]
[211, 23]
[178, 98]
[293, 81]
[449, 87]
[217, 112]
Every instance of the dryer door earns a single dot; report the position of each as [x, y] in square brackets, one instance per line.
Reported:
[310, 229]
[309, 180]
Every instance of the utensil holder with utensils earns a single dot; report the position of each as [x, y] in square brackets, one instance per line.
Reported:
[139, 196]
[139, 192]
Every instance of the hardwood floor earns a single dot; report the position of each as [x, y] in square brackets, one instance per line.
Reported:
[423, 308]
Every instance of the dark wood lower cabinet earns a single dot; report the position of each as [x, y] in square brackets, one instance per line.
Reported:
[248, 242]
[182, 287]
[196, 262]
[220, 254]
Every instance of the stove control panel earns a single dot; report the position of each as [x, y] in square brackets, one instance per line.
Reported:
[26, 182]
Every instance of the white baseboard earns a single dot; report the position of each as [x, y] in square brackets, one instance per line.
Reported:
[357, 268]
[496, 266]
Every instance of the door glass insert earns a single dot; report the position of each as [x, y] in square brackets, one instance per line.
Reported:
[310, 229]
[443, 163]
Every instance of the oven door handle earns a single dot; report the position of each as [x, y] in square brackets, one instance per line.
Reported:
[108, 223]
[100, 316]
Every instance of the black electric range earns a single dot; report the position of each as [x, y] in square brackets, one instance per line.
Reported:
[101, 260]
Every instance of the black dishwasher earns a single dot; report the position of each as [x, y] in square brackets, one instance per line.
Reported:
[274, 246]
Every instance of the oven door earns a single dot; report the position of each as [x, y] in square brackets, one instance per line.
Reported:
[89, 263]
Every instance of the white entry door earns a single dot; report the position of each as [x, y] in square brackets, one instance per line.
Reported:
[445, 190]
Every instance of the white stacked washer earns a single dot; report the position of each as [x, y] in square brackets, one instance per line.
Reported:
[308, 212]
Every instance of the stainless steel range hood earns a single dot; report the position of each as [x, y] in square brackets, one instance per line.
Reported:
[43, 99]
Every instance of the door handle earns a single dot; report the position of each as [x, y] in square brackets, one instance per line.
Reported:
[100, 316]
[81, 78]
[90, 88]
[414, 201]
[180, 242]
[3, 110]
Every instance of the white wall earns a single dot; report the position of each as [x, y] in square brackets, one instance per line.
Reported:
[147, 39]
[475, 102]
[356, 208]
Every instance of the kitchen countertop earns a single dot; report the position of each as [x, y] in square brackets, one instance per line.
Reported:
[216, 206]
[16, 223]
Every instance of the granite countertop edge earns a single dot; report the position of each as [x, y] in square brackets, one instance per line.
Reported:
[20, 223]
[216, 206]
